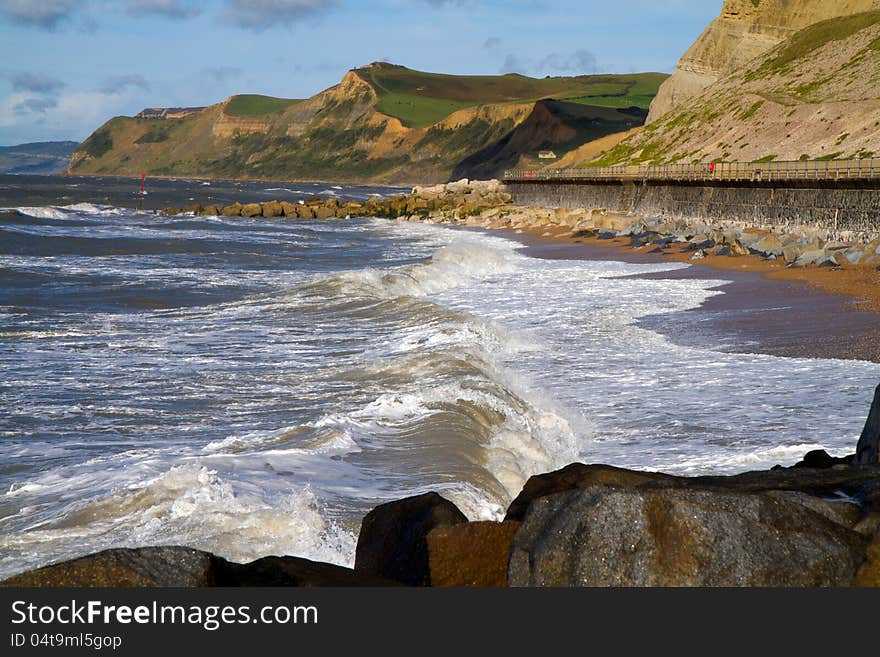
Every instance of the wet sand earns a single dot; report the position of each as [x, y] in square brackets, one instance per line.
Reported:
[766, 308]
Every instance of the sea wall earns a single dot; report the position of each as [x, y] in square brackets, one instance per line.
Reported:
[839, 213]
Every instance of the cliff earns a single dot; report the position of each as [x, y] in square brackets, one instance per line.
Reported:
[381, 123]
[745, 30]
[814, 95]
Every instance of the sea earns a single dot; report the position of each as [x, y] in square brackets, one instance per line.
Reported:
[254, 387]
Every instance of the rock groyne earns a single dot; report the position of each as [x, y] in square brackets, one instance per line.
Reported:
[564, 211]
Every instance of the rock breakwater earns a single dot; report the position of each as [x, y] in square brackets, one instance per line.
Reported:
[488, 204]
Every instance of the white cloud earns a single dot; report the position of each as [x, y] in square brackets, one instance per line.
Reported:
[47, 14]
[166, 8]
[263, 14]
[36, 83]
[118, 84]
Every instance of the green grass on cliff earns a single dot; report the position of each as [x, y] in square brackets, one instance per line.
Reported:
[812, 38]
[417, 111]
[255, 105]
[421, 99]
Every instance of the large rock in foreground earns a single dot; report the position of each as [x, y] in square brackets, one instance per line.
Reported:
[835, 479]
[665, 536]
[126, 568]
[393, 539]
[185, 567]
[472, 554]
[577, 475]
[868, 449]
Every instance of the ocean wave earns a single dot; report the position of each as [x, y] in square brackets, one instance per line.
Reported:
[187, 504]
[73, 211]
[461, 262]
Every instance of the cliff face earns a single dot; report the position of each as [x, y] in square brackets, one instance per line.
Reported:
[815, 95]
[745, 30]
[381, 123]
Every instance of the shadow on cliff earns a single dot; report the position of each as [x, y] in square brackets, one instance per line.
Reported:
[554, 125]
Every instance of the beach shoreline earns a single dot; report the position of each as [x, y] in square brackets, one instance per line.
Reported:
[765, 307]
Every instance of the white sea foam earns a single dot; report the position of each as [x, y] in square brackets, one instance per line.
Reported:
[190, 505]
[48, 212]
[306, 405]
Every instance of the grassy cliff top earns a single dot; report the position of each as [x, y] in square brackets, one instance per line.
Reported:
[422, 99]
[257, 105]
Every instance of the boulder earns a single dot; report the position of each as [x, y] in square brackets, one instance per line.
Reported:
[811, 478]
[792, 252]
[574, 476]
[770, 245]
[211, 211]
[288, 209]
[272, 209]
[233, 210]
[324, 211]
[811, 257]
[472, 554]
[869, 574]
[195, 208]
[185, 567]
[251, 210]
[737, 248]
[854, 256]
[393, 540]
[839, 258]
[868, 448]
[290, 571]
[459, 187]
[125, 568]
[822, 460]
[667, 536]
[170, 212]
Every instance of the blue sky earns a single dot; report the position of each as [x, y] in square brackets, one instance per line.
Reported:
[66, 66]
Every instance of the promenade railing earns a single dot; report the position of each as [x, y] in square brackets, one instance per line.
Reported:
[861, 169]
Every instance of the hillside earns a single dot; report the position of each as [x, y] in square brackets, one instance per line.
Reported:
[814, 95]
[41, 158]
[745, 30]
[382, 123]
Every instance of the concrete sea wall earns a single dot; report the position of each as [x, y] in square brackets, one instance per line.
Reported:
[839, 212]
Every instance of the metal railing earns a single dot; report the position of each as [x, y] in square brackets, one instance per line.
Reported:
[864, 169]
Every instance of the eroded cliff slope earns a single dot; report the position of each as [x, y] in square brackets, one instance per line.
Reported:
[381, 123]
[815, 95]
[745, 30]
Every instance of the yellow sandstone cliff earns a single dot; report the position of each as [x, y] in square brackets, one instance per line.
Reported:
[745, 30]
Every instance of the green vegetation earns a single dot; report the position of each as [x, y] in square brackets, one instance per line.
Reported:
[766, 158]
[157, 132]
[830, 156]
[421, 99]
[811, 39]
[99, 143]
[255, 105]
[416, 111]
[749, 113]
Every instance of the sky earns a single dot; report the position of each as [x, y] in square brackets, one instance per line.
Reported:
[67, 66]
